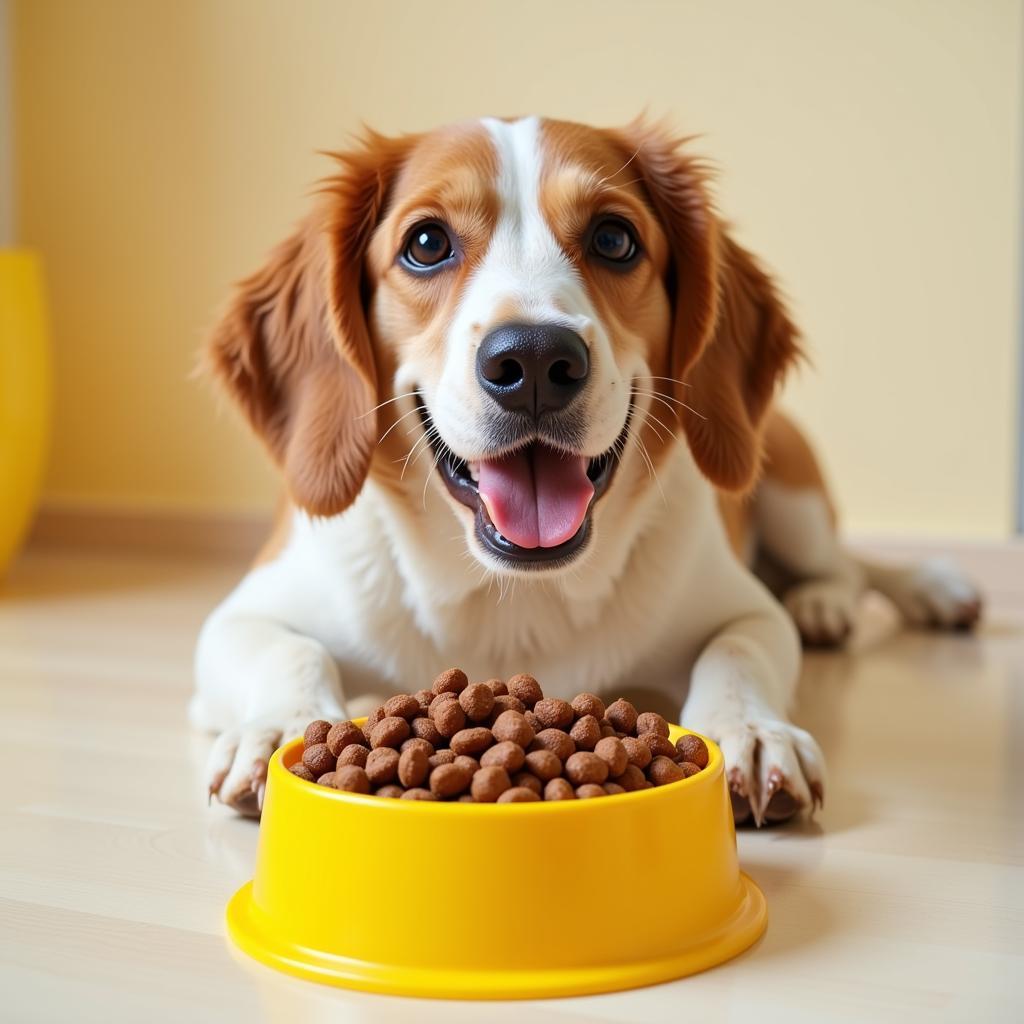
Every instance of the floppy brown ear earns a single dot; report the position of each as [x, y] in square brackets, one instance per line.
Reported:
[294, 349]
[731, 337]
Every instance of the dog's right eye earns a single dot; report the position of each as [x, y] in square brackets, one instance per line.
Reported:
[428, 246]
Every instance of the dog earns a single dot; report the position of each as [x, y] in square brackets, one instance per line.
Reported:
[519, 379]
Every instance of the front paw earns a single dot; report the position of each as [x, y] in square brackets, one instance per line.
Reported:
[775, 769]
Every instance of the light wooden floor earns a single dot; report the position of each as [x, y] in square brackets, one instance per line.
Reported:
[903, 901]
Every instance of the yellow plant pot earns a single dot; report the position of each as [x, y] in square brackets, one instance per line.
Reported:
[496, 901]
[24, 394]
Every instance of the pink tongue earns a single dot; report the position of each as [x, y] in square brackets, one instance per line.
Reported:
[536, 497]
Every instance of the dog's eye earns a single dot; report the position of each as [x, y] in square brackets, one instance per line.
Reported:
[428, 246]
[613, 241]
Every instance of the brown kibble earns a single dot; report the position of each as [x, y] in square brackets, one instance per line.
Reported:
[466, 798]
[413, 767]
[529, 780]
[366, 730]
[507, 755]
[613, 788]
[584, 704]
[328, 779]
[449, 780]
[607, 729]
[423, 728]
[559, 789]
[664, 770]
[584, 767]
[448, 716]
[440, 757]
[477, 700]
[638, 751]
[374, 717]
[588, 790]
[316, 732]
[382, 765]
[506, 702]
[688, 768]
[416, 743]
[389, 732]
[586, 732]
[471, 764]
[341, 735]
[613, 753]
[489, 783]
[532, 721]
[554, 713]
[451, 680]
[302, 771]
[418, 794]
[543, 764]
[558, 742]
[392, 792]
[526, 688]
[423, 698]
[352, 779]
[513, 726]
[621, 715]
[659, 746]
[651, 721]
[318, 759]
[692, 748]
[497, 687]
[518, 795]
[354, 753]
[402, 705]
[472, 741]
[631, 779]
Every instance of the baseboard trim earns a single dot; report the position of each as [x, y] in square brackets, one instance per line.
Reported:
[231, 535]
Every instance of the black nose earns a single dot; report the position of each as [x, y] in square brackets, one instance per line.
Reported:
[532, 368]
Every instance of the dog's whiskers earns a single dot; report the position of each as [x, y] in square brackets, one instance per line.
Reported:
[419, 408]
[388, 401]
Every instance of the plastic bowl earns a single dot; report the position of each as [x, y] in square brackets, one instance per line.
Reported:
[496, 901]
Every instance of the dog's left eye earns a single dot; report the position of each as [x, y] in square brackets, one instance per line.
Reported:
[428, 246]
[614, 242]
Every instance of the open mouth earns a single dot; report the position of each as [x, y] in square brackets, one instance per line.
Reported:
[533, 504]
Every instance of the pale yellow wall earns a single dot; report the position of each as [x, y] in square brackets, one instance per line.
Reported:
[870, 151]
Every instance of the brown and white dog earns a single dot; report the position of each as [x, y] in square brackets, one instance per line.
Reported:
[519, 380]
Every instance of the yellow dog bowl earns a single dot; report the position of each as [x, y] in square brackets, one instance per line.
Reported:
[496, 901]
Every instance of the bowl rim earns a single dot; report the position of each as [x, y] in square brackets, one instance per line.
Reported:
[283, 777]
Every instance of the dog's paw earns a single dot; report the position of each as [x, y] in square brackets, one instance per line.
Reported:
[775, 770]
[236, 769]
[823, 611]
[936, 594]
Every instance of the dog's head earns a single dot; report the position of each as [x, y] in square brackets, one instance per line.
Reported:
[533, 303]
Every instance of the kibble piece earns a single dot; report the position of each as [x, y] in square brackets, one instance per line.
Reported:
[489, 783]
[440, 757]
[318, 759]
[511, 725]
[631, 779]
[586, 732]
[688, 768]
[451, 680]
[341, 735]
[560, 743]
[302, 771]
[664, 770]
[543, 764]
[389, 732]
[613, 753]
[532, 721]
[423, 698]
[526, 688]
[584, 767]
[692, 748]
[354, 753]
[316, 732]
[418, 794]
[382, 765]
[423, 728]
[507, 755]
[554, 713]
[607, 729]
[328, 779]
[471, 764]
[414, 742]
[449, 780]
[366, 731]
[352, 778]
[588, 790]
[448, 716]
[413, 767]
[393, 792]
[584, 704]
[472, 741]
[622, 715]
[559, 789]
[659, 746]
[506, 702]
[613, 788]
[477, 700]
[497, 687]
[518, 795]
[638, 751]
[402, 705]
[529, 780]
[651, 721]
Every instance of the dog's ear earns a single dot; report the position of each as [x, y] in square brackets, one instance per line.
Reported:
[731, 338]
[294, 349]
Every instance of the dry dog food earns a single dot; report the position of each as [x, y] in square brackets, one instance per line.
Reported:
[497, 742]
